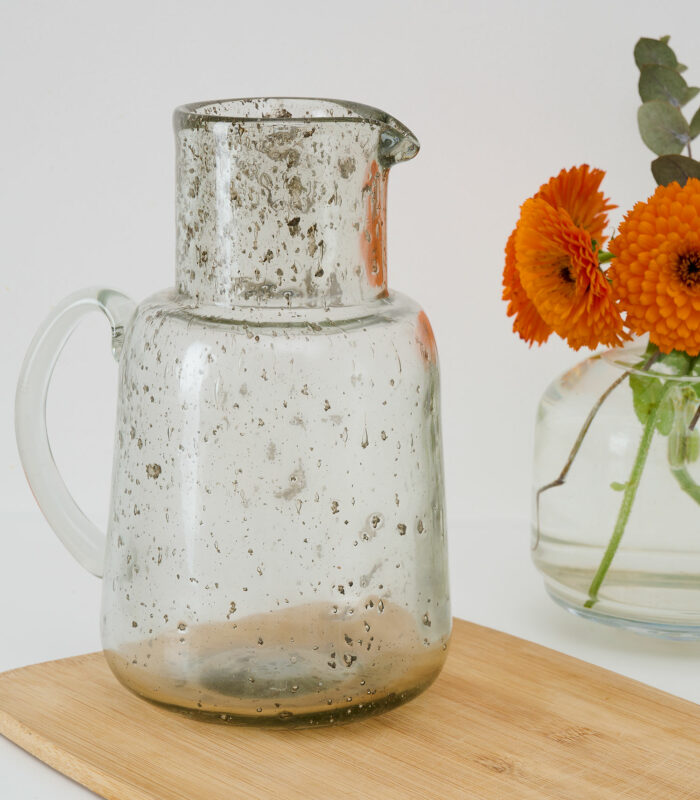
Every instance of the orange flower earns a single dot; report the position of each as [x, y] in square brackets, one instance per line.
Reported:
[528, 324]
[577, 193]
[656, 271]
[559, 270]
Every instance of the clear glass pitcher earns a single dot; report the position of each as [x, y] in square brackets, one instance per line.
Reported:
[276, 548]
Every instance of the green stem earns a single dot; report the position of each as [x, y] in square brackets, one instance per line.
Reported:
[604, 257]
[686, 483]
[627, 501]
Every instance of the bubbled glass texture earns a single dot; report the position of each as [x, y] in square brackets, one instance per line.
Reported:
[276, 548]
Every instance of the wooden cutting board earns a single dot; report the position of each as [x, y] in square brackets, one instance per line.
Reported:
[506, 720]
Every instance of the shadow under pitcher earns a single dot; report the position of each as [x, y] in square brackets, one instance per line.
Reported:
[276, 548]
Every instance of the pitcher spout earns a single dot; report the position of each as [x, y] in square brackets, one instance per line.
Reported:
[396, 142]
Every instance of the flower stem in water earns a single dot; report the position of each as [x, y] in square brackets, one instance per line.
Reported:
[627, 501]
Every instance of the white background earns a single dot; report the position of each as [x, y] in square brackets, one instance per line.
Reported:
[501, 95]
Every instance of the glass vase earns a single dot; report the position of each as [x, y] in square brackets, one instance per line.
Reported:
[616, 509]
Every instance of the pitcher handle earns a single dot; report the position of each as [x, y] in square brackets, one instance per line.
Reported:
[83, 539]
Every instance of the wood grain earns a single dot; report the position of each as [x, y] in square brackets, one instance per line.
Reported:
[506, 720]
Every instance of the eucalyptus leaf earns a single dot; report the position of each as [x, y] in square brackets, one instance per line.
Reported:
[663, 127]
[667, 169]
[662, 83]
[646, 394]
[654, 51]
[681, 67]
[691, 92]
[695, 124]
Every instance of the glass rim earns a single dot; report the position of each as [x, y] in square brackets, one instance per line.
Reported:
[273, 109]
[631, 357]
[396, 142]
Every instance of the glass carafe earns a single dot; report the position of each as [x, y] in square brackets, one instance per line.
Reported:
[276, 548]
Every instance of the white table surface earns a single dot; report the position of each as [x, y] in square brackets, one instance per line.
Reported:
[50, 609]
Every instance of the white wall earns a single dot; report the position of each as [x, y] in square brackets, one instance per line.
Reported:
[501, 95]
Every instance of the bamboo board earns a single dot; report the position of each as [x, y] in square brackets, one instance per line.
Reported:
[506, 720]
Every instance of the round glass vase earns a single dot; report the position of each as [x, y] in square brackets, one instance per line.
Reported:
[616, 505]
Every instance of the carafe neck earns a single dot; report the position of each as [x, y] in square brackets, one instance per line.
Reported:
[283, 202]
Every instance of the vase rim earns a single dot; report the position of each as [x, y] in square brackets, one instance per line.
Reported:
[631, 356]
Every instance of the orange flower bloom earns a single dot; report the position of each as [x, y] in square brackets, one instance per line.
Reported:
[577, 193]
[528, 324]
[656, 272]
[559, 270]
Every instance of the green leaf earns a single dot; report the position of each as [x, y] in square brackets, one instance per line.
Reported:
[665, 39]
[678, 361]
[646, 394]
[662, 83]
[616, 486]
[691, 92]
[695, 124]
[681, 67]
[654, 51]
[667, 169]
[663, 127]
